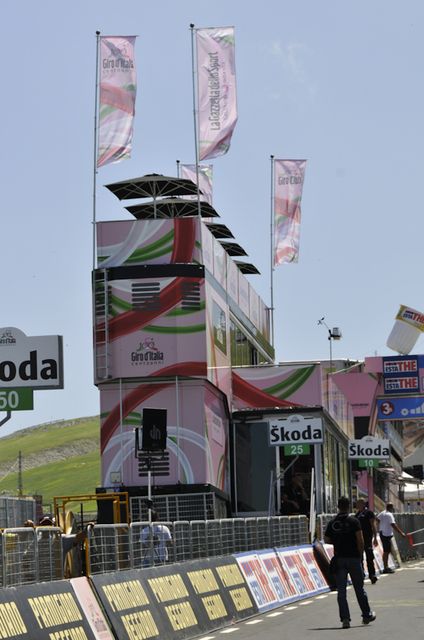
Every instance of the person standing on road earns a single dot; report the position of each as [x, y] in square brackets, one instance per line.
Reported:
[345, 534]
[369, 528]
[387, 525]
[156, 540]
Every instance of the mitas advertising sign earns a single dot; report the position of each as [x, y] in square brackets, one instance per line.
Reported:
[30, 361]
[296, 429]
[369, 447]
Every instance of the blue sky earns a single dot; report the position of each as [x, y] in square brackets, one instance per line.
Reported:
[338, 83]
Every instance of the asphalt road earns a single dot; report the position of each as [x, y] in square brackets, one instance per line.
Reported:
[398, 601]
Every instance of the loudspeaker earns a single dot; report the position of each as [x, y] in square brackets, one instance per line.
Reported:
[154, 430]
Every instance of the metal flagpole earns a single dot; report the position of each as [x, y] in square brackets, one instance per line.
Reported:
[272, 252]
[195, 120]
[96, 118]
[178, 168]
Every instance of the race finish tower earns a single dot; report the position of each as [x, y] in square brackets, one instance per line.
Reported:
[173, 311]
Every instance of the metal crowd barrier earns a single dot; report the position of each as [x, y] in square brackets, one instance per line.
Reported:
[410, 547]
[14, 511]
[36, 555]
[115, 547]
[30, 555]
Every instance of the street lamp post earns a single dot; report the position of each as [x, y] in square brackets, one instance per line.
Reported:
[333, 334]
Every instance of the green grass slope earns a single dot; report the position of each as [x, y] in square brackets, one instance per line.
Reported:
[58, 459]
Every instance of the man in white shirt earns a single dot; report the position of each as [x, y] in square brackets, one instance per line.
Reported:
[387, 525]
[155, 540]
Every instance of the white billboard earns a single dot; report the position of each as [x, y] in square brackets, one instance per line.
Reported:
[30, 361]
[295, 429]
[369, 447]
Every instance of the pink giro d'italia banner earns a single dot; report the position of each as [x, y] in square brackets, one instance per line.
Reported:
[205, 179]
[288, 185]
[116, 98]
[217, 101]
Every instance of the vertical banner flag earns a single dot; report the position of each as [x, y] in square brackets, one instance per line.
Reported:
[116, 99]
[288, 184]
[216, 94]
[205, 179]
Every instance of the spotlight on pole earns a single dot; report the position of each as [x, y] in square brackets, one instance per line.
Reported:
[333, 334]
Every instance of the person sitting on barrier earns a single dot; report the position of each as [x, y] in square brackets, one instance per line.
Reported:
[156, 540]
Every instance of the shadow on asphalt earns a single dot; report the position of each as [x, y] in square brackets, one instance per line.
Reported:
[338, 628]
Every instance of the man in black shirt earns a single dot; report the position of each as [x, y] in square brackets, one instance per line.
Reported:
[369, 531]
[344, 532]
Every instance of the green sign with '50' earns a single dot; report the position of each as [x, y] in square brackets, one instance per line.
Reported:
[21, 399]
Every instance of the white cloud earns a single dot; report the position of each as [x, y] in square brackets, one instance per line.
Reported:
[293, 57]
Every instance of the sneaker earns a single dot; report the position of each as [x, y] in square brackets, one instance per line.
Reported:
[388, 570]
[346, 624]
[370, 618]
[373, 579]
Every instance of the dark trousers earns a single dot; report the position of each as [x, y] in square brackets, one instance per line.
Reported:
[369, 555]
[353, 568]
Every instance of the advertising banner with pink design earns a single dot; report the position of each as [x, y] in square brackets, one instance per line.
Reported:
[136, 242]
[117, 92]
[205, 179]
[152, 329]
[280, 577]
[197, 425]
[307, 555]
[298, 570]
[216, 90]
[260, 584]
[276, 386]
[288, 184]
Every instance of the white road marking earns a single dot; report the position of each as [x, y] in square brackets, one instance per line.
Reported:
[305, 602]
[254, 621]
[231, 630]
[291, 608]
[275, 614]
[322, 597]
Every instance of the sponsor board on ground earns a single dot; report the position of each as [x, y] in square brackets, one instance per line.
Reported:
[299, 572]
[315, 572]
[175, 601]
[258, 579]
[280, 577]
[45, 610]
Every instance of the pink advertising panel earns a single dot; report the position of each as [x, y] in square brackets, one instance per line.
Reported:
[197, 425]
[276, 386]
[91, 608]
[218, 341]
[156, 327]
[136, 242]
[360, 389]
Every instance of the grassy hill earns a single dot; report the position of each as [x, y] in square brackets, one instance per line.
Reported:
[58, 459]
